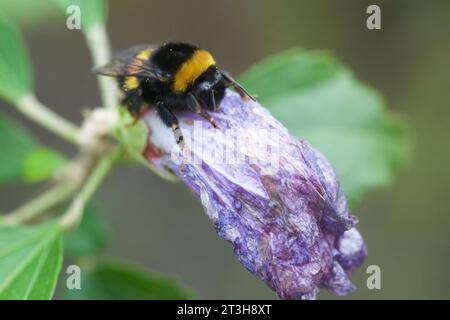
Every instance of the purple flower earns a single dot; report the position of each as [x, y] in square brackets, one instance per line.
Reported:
[273, 197]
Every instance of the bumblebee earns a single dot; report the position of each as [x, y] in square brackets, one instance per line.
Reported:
[170, 77]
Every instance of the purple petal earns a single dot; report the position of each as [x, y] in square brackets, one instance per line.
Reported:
[273, 197]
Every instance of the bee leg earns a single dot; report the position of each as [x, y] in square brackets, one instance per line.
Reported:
[209, 117]
[198, 110]
[245, 95]
[135, 106]
[213, 100]
[170, 120]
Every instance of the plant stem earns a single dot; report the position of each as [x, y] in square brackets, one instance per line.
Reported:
[39, 113]
[42, 203]
[72, 217]
[98, 43]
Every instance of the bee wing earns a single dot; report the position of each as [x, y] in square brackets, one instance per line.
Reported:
[125, 63]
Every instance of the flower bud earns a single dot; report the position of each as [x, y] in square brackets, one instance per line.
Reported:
[272, 196]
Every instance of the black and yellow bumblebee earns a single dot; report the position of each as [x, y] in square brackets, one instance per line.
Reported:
[170, 77]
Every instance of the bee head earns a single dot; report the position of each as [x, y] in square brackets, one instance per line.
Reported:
[209, 88]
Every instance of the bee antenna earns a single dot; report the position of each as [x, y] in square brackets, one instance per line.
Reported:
[242, 92]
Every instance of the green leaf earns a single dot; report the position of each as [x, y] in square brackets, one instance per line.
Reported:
[15, 74]
[28, 13]
[41, 164]
[93, 12]
[90, 237]
[318, 99]
[24, 159]
[30, 261]
[119, 280]
[16, 144]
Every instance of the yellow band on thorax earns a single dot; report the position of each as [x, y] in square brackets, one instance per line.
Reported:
[191, 69]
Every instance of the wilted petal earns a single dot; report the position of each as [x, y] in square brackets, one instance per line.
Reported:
[337, 280]
[280, 204]
[351, 250]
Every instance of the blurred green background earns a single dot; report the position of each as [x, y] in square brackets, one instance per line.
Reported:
[162, 226]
